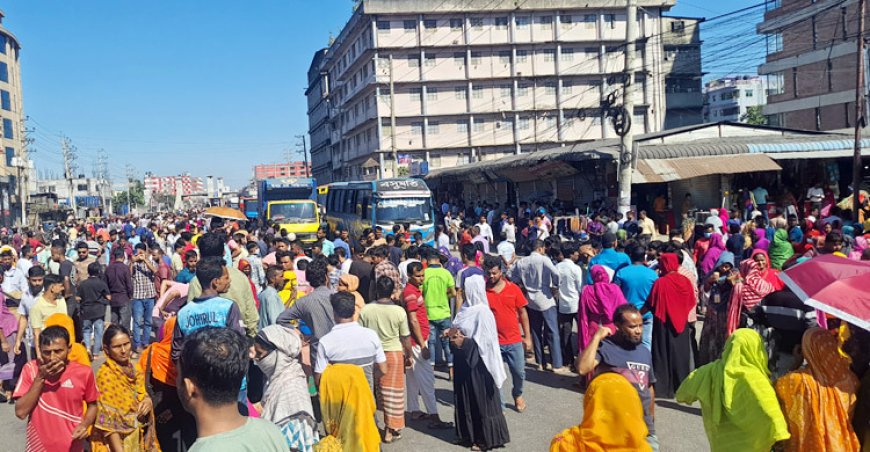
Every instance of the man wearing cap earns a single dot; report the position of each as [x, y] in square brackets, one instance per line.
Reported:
[608, 256]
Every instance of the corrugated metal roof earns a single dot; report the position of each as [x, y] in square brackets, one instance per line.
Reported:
[807, 145]
[651, 171]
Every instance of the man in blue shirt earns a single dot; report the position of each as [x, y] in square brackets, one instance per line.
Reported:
[636, 281]
[608, 257]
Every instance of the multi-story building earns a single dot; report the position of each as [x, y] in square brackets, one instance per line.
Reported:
[167, 185]
[88, 195]
[811, 59]
[684, 100]
[15, 167]
[289, 169]
[729, 98]
[459, 81]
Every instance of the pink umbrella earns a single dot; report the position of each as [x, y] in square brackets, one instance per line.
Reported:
[833, 284]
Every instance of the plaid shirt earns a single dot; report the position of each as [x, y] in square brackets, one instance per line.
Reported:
[386, 268]
[143, 282]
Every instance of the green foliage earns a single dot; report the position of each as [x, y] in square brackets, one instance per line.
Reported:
[754, 116]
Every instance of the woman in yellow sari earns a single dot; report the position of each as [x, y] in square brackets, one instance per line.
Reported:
[77, 352]
[348, 409]
[818, 400]
[125, 416]
[612, 419]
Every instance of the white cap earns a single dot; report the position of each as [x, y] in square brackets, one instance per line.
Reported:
[291, 236]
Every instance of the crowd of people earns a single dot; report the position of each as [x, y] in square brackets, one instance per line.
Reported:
[233, 335]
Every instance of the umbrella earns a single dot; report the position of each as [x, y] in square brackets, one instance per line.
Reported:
[846, 203]
[225, 212]
[835, 285]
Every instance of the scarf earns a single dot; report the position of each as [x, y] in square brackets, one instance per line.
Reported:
[8, 321]
[612, 419]
[756, 285]
[761, 236]
[162, 368]
[818, 401]
[780, 250]
[717, 246]
[352, 283]
[672, 296]
[475, 320]
[286, 391]
[348, 408]
[738, 403]
[597, 303]
[121, 390]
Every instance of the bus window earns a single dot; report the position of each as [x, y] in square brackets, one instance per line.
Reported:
[365, 201]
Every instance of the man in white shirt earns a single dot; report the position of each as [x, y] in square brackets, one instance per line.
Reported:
[510, 230]
[570, 288]
[485, 229]
[816, 194]
[412, 254]
[25, 259]
[14, 282]
[507, 251]
[344, 260]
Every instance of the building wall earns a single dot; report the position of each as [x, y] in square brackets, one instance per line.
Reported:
[728, 99]
[289, 169]
[681, 39]
[167, 184]
[11, 127]
[474, 83]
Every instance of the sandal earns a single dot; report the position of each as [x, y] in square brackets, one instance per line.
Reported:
[395, 437]
[439, 425]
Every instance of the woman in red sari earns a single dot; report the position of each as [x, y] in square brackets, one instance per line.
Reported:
[759, 281]
[671, 300]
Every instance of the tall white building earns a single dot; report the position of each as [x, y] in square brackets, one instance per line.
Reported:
[474, 80]
[728, 99]
[14, 167]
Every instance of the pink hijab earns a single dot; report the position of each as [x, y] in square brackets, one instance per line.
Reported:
[598, 301]
[717, 246]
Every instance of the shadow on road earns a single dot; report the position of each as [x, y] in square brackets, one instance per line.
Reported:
[678, 407]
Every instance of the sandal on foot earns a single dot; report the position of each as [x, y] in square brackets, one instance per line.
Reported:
[439, 425]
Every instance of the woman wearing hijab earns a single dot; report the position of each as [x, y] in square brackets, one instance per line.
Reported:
[817, 401]
[286, 401]
[348, 409]
[350, 283]
[716, 295]
[598, 301]
[781, 250]
[8, 332]
[758, 281]
[858, 248]
[760, 239]
[612, 419]
[671, 300]
[478, 373]
[716, 248]
[738, 402]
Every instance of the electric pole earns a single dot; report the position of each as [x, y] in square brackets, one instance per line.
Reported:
[625, 156]
[130, 175]
[304, 153]
[393, 155]
[24, 171]
[859, 115]
[103, 179]
[69, 168]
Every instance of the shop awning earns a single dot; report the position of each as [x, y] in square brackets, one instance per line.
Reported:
[653, 171]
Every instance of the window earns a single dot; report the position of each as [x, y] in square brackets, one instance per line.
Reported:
[566, 20]
[567, 87]
[477, 92]
[678, 27]
[459, 58]
[10, 154]
[549, 55]
[522, 21]
[432, 94]
[3, 44]
[5, 101]
[505, 90]
[523, 124]
[504, 57]
[431, 60]
[456, 24]
[815, 33]
[591, 52]
[475, 58]
[8, 131]
[567, 55]
[4, 72]
[477, 23]
[522, 90]
[550, 88]
[774, 42]
[413, 61]
[589, 21]
[522, 56]
[749, 93]
[416, 128]
[383, 26]
[501, 23]
[794, 80]
[479, 125]
[611, 20]
[460, 93]
[430, 24]
[546, 22]
[415, 93]
[462, 127]
[434, 128]
[830, 73]
[409, 25]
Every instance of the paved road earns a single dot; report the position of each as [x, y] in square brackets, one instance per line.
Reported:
[553, 405]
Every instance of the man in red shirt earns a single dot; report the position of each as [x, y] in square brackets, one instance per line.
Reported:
[420, 376]
[508, 305]
[51, 392]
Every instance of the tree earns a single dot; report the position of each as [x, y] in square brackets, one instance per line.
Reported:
[754, 116]
[136, 198]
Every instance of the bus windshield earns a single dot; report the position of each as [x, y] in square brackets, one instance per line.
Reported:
[302, 212]
[403, 210]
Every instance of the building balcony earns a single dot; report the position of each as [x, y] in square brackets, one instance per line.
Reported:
[684, 100]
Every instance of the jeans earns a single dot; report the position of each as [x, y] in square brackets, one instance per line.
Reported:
[568, 339]
[545, 327]
[439, 343]
[95, 327]
[646, 336]
[142, 321]
[515, 357]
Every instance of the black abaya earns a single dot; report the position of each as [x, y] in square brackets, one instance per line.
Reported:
[478, 414]
[671, 353]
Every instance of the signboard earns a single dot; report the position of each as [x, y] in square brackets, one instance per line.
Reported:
[401, 185]
[419, 168]
[289, 183]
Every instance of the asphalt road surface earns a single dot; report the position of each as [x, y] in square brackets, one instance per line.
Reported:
[553, 405]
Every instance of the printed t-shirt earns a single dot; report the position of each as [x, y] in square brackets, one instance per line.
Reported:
[415, 303]
[635, 364]
[504, 307]
[59, 409]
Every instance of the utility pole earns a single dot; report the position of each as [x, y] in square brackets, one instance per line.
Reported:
[625, 157]
[103, 179]
[130, 175]
[24, 171]
[393, 156]
[859, 115]
[69, 168]
[304, 153]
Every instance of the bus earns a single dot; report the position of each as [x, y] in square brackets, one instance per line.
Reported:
[385, 203]
[292, 203]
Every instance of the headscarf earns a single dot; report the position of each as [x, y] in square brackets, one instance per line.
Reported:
[738, 403]
[727, 257]
[858, 247]
[121, 389]
[475, 320]
[286, 391]
[77, 352]
[162, 368]
[817, 401]
[598, 301]
[348, 409]
[717, 246]
[761, 236]
[352, 283]
[8, 321]
[780, 249]
[672, 296]
[612, 419]
[756, 285]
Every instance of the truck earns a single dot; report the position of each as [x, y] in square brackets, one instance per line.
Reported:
[291, 203]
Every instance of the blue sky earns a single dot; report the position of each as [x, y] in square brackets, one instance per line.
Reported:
[210, 87]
